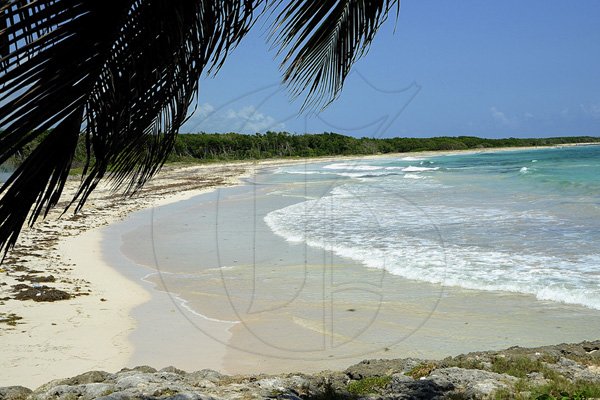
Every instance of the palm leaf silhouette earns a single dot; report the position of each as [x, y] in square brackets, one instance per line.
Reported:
[124, 73]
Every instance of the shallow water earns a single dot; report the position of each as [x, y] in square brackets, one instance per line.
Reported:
[519, 221]
[337, 262]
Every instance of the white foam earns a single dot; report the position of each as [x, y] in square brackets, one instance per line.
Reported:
[412, 158]
[410, 168]
[524, 170]
[352, 167]
[413, 176]
[296, 172]
[357, 222]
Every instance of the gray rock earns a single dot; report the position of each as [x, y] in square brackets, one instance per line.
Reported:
[135, 381]
[173, 370]
[95, 390]
[62, 391]
[574, 362]
[201, 383]
[474, 383]
[536, 379]
[88, 377]
[424, 389]
[116, 396]
[140, 368]
[369, 368]
[14, 393]
[401, 378]
[203, 375]
[274, 383]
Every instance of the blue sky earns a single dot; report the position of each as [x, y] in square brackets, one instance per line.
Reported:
[469, 67]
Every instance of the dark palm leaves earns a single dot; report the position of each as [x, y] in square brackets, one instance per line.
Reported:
[124, 72]
[322, 40]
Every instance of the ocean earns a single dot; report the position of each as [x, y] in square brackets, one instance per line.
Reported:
[523, 221]
[5, 172]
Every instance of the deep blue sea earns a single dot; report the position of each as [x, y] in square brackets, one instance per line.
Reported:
[523, 221]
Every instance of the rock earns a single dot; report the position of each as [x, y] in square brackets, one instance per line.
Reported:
[14, 393]
[88, 377]
[399, 378]
[95, 390]
[576, 371]
[173, 370]
[205, 374]
[536, 379]
[444, 379]
[275, 383]
[140, 368]
[474, 383]
[369, 368]
[421, 390]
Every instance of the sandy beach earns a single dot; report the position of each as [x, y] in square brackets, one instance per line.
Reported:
[112, 320]
[90, 330]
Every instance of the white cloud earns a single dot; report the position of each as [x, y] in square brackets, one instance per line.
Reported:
[501, 118]
[244, 120]
[591, 110]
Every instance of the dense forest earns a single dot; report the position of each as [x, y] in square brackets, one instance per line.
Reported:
[203, 147]
[235, 146]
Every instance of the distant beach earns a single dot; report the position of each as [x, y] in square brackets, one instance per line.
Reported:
[237, 297]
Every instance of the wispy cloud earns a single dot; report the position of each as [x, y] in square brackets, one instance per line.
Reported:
[247, 119]
[591, 110]
[502, 119]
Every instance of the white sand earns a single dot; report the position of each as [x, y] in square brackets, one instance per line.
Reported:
[88, 332]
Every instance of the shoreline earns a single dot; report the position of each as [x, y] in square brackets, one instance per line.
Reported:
[82, 333]
[90, 329]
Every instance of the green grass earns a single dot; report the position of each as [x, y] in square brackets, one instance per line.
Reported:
[369, 385]
[562, 389]
[521, 366]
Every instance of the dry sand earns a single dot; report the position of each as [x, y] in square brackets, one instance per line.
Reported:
[90, 330]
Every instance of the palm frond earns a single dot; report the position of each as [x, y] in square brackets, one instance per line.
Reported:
[322, 40]
[123, 72]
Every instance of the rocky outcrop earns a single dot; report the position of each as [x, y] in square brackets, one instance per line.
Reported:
[546, 372]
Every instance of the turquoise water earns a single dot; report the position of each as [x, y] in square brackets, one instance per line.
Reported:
[514, 221]
[5, 172]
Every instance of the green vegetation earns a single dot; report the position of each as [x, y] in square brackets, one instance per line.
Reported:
[207, 147]
[368, 385]
[556, 386]
[559, 389]
[235, 146]
[421, 370]
[521, 366]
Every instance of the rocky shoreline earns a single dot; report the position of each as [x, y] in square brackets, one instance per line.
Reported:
[565, 371]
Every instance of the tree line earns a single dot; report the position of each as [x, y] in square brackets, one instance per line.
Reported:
[205, 147]
[235, 146]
